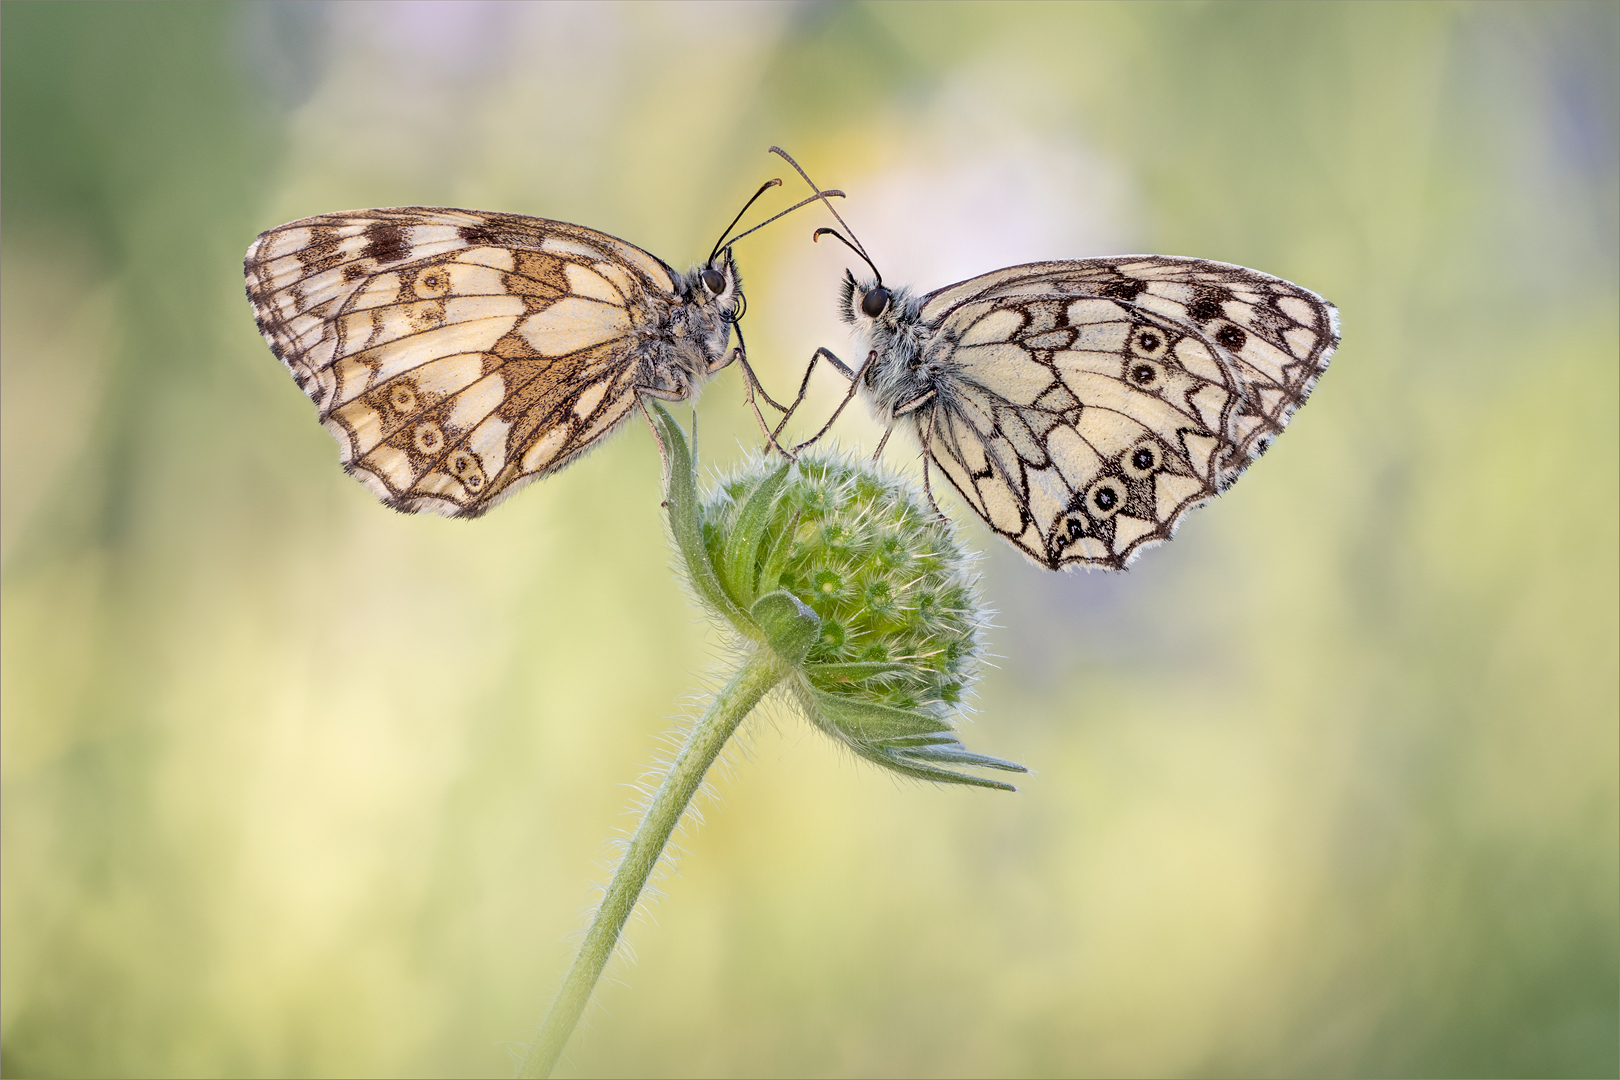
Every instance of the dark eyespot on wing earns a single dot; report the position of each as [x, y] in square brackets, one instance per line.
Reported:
[1232, 337]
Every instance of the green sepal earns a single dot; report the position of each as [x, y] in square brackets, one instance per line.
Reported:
[739, 561]
[868, 721]
[954, 753]
[902, 740]
[790, 626]
[681, 500]
[905, 765]
[833, 675]
[775, 557]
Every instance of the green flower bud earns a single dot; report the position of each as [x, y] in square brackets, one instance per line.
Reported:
[854, 583]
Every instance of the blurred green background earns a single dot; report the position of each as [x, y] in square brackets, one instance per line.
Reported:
[294, 785]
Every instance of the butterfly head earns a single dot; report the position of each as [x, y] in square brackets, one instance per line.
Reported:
[870, 299]
[874, 309]
[697, 331]
[716, 286]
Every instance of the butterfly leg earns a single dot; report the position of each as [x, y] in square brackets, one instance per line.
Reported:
[928, 440]
[804, 385]
[911, 406]
[740, 355]
[928, 490]
[750, 384]
[753, 379]
[750, 379]
[882, 443]
[927, 434]
[663, 395]
[854, 378]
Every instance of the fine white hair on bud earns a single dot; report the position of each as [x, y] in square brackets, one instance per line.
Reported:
[843, 572]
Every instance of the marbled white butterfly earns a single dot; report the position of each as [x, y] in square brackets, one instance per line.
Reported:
[1082, 407]
[457, 355]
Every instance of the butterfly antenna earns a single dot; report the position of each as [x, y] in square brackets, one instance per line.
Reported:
[796, 206]
[854, 245]
[763, 188]
[851, 247]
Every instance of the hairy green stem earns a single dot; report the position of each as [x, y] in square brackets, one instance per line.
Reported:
[760, 671]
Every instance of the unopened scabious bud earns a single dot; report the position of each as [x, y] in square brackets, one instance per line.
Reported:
[900, 624]
[865, 592]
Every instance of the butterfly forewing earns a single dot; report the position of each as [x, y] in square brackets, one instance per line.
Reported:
[1085, 406]
[456, 354]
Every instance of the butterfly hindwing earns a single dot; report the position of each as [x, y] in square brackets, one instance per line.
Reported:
[1083, 407]
[456, 354]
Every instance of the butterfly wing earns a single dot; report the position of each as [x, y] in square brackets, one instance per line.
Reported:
[456, 355]
[1083, 407]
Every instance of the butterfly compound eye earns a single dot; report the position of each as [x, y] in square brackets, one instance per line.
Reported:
[874, 302]
[714, 281]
